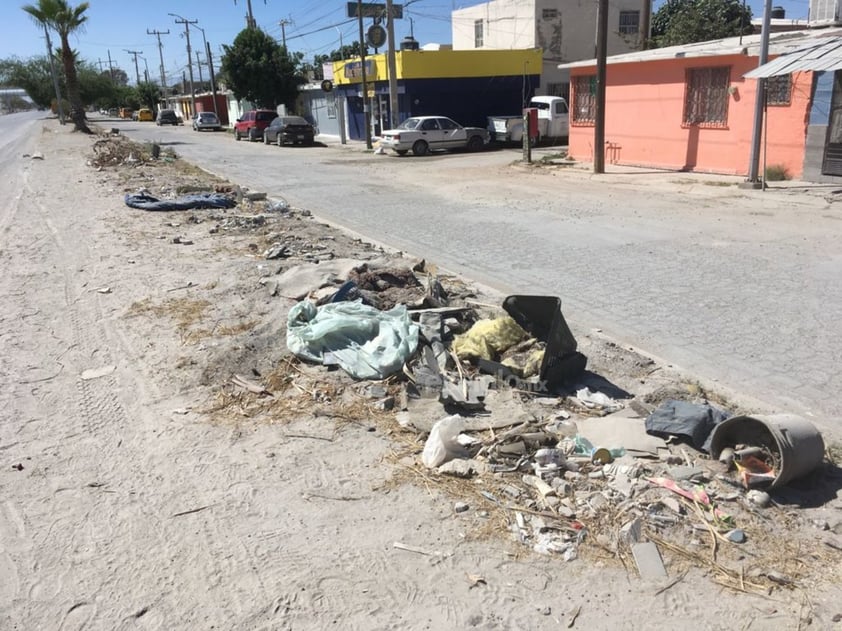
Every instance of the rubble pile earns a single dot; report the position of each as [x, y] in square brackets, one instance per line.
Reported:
[492, 403]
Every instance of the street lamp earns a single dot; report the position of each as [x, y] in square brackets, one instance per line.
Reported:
[187, 23]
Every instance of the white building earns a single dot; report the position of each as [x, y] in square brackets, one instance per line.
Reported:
[564, 29]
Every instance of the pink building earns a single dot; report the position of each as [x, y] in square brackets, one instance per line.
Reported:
[691, 108]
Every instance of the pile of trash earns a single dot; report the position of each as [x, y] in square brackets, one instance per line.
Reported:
[512, 422]
[496, 404]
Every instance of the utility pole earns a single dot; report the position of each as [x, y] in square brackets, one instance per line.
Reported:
[110, 67]
[212, 78]
[146, 71]
[161, 53]
[283, 24]
[250, 23]
[366, 107]
[392, 64]
[754, 180]
[204, 46]
[646, 24]
[199, 65]
[601, 72]
[55, 76]
[187, 23]
[135, 53]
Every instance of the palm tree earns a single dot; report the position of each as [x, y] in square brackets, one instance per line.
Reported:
[64, 20]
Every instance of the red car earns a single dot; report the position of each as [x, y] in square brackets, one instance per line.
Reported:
[252, 124]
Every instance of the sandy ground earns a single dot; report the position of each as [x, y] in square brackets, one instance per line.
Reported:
[140, 490]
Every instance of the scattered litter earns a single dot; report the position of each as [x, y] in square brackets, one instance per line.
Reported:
[96, 373]
[143, 201]
[442, 443]
[475, 580]
[692, 422]
[415, 549]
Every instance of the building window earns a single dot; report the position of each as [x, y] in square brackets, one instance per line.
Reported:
[706, 97]
[584, 91]
[629, 22]
[779, 90]
[477, 33]
[549, 14]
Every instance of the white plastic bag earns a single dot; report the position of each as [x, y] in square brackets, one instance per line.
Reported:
[442, 443]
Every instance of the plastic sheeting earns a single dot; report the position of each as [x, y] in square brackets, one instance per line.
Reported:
[487, 338]
[365, 342]
[188, 202]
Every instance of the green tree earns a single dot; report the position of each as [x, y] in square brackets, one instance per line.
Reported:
[689, 21]
[32, 75]
[94, 87]
[260, 70]
[148, 94]
[64, 20]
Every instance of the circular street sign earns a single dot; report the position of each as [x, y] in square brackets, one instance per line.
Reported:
[376, 36]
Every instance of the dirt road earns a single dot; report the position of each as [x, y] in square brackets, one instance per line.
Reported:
[126, 504]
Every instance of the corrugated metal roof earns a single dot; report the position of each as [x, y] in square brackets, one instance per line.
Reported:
[749, 45]
[825, 55]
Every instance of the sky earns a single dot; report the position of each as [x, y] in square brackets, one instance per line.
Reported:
[312, 27]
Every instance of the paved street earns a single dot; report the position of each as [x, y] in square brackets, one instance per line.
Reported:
[743, 288]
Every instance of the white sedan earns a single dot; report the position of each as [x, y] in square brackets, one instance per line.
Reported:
[423, 134]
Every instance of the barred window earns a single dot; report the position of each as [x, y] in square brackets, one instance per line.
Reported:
[478, 34]
[584, 91]
[549, 14]
[629, 22]
[706, 97]
[779, 90]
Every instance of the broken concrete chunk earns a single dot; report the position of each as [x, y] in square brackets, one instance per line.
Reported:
[632, 531]
[459, 468]
[650, 566]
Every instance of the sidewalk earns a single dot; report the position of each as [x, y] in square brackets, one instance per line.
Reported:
[815, 194]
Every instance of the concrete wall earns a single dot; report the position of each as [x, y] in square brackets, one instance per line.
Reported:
[644, 114]
[568, 36]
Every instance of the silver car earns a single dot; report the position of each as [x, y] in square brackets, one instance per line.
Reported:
[206, 120]
[423, 134]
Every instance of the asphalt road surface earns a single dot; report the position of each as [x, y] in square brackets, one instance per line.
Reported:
[741, 288]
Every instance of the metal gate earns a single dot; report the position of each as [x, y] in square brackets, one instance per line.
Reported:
[832, 163]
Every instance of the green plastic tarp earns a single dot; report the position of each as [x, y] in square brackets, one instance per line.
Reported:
[366, 343]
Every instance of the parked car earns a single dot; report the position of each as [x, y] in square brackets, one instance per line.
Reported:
[206, 120]
[113, 112]
[292, 130]
[167, 117]
[145, 114]
[126, 112]
[252, 124]
[423, 134]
